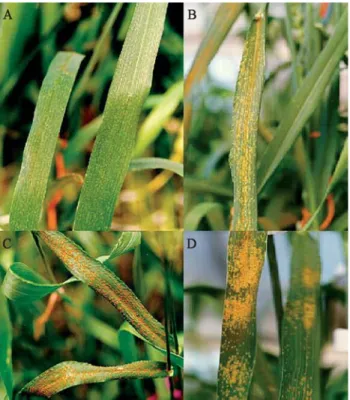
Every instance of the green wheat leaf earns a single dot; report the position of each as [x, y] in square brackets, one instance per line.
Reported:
[98, 49]
[305, 101]
[194, 217]
[6, 379]
[127, 242]
[245, 126]
[340, 169]
[140, 164]
[301, 323]
[153, 124]
[41, 144]
[112, 152]
[107, 284]
[176, 359]
[23, 285]
[245, 260]
[71, 373]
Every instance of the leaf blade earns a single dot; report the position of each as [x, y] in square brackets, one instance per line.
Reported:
[245, 259]
[304, 102]
[107, 284]
[31, 186]
[139, 164]
[301, 323]
[112, 151]
[72, 373]
[23, 285]
[242, 158]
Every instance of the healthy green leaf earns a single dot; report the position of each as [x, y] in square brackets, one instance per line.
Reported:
[127, 241]
[198, 212]
[301, 323]
[41, 144]
[130, 354]
[204, 186]
[23, 285]
[79, 90]
[245, 126]
[112, 152]
[13, 36]
[245, 260]
[80, 141]
[176, 359]
[71, 373]
[305, 101]
[140, 164]
[108, 285]
[153, 124]
[6, 379]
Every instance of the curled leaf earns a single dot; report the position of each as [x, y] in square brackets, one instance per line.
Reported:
[24, 285]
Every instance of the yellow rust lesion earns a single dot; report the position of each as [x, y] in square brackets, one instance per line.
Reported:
[310, 277]
[238, 311]
[309, 312]
[234, 375]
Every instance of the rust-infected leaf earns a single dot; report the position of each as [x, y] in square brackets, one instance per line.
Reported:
[245, 126]
[301, 323]
[107, 284]
[71, 373]
[246, 255]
